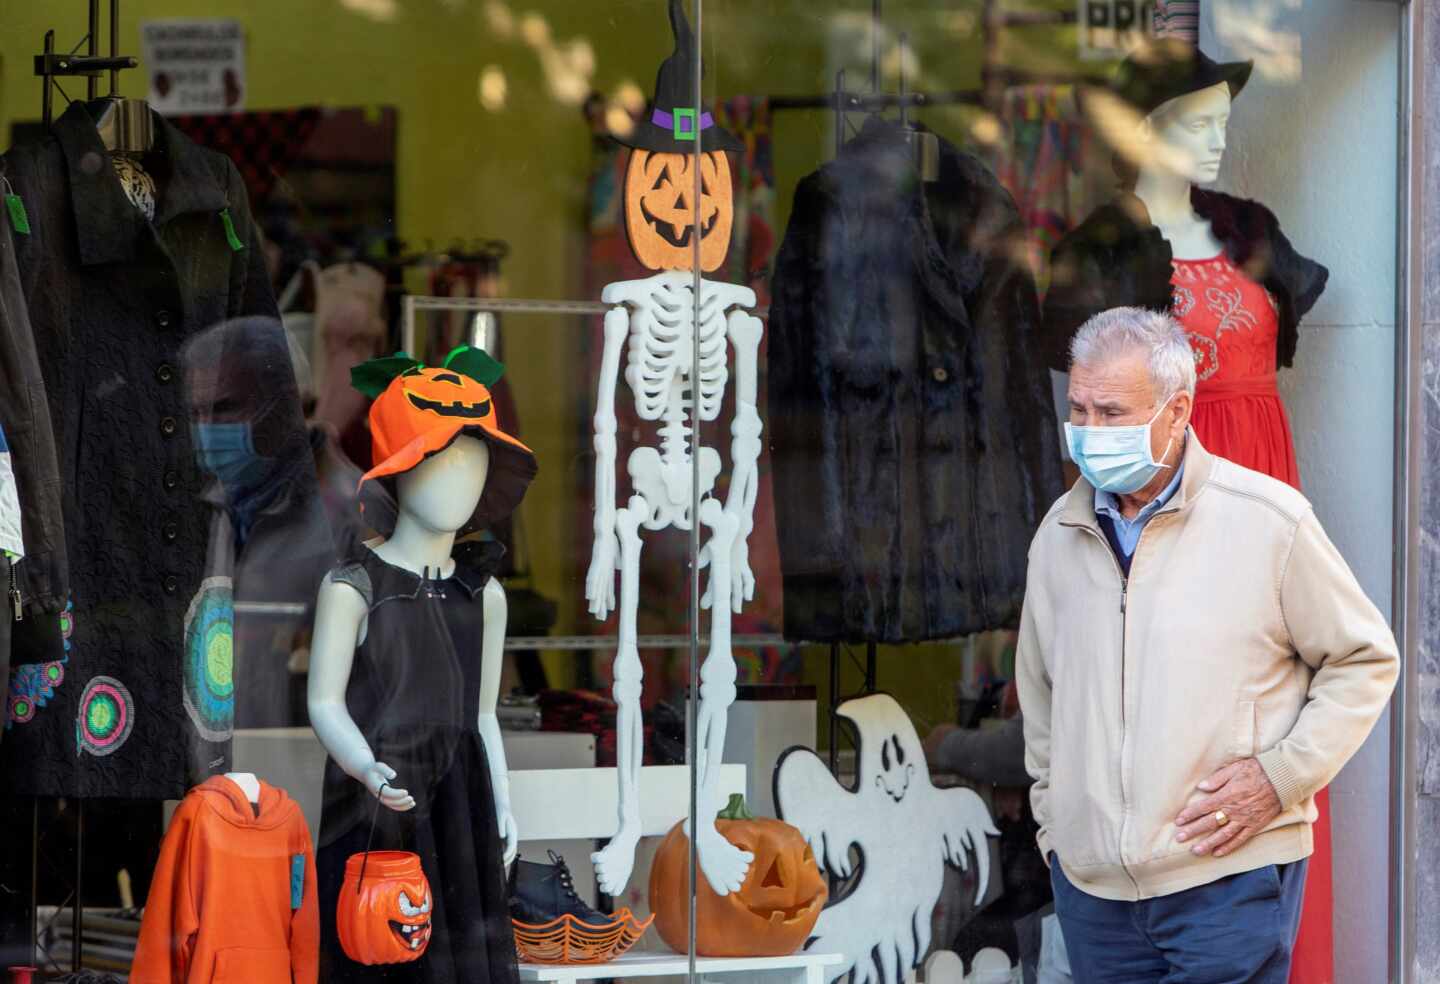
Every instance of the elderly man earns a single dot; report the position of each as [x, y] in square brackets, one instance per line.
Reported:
[1195, 662]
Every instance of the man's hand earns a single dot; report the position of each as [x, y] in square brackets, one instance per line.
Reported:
[1243, 793]
[935, 739]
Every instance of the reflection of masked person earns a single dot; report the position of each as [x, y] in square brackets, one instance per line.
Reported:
[245, 416]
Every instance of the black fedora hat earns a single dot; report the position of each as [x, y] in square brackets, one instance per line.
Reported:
[1167, 68]
[675, 125]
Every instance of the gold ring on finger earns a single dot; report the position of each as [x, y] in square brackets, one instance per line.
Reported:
[1220, 818]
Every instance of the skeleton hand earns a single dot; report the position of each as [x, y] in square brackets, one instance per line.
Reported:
[742, 581]
[600, 581]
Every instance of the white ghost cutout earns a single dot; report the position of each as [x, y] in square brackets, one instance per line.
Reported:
[904, 830]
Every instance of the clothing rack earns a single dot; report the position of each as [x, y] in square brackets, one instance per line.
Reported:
[995, 79]
[50, 65]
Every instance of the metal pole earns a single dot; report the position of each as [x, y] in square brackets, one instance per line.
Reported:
[47, 99]
[92, 84]
[694, 708]
[114, 45]
[35, 870]
[1410, 467]
[839, 111]
[875, 22]
[77, 924]
[834, 703]
[870, 662]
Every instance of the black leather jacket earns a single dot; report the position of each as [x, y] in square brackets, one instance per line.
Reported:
[913, 440]
[1117, 258]
[42, 577]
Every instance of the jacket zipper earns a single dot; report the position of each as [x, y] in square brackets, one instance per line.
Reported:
[1124, 729]
[17, 603]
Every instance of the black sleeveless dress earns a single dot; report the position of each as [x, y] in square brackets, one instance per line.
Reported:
[414, 693]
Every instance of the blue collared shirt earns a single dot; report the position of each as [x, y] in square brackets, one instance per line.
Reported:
[1124, 534]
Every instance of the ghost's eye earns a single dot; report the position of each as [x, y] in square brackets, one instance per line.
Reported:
[408, 910]
[885, 755]
[899, 752]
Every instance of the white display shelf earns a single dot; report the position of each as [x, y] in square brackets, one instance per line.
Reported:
[798, 968]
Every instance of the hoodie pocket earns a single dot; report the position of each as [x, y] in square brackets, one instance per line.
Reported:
[252, 965]
[1242, 744]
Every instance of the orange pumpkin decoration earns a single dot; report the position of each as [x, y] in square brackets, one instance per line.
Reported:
[660, 209]
[773, 912]
[384, 918]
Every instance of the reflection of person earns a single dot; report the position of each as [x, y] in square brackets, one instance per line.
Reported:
[272, 533]
[1168, 581]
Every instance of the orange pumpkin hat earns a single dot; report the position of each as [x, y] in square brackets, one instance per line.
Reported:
[420, 410]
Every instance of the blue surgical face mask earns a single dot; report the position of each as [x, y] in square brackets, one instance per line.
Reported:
[227, 451]
[1116, 459]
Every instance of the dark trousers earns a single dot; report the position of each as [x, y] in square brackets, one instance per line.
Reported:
[1238, 930]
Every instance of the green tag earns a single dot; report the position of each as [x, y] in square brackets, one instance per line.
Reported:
[235, 244]
[18, 218]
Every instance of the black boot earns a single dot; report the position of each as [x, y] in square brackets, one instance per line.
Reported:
[542, 892]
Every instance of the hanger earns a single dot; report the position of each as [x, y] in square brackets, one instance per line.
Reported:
[127, 126]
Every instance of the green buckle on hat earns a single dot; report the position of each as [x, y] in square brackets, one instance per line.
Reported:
[682, 117]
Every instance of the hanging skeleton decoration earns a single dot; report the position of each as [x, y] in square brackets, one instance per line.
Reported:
[904, 829]
[658, 316]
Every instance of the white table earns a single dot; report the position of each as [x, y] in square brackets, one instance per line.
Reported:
[798, 968]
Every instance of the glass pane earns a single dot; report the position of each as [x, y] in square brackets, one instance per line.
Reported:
[452, 444]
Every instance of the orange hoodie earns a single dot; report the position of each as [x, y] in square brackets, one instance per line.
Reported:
[234, 895]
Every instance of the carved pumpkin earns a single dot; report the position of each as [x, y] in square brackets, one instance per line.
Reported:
[660, 209]
[772, 913]
[386, 918]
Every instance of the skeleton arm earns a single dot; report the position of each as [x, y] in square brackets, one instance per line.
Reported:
[600, 581]
[744, 331]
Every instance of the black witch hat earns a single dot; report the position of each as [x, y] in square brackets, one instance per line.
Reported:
[676, 125]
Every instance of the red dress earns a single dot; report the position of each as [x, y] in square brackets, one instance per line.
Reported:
[1233, 324]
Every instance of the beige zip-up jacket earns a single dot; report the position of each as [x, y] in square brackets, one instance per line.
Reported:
[1240, 632]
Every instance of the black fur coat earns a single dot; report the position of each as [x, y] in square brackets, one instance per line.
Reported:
[911, 424]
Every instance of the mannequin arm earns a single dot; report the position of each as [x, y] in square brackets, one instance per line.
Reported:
[492, 660]
[339, 615]
[600, 581]
[744, 331]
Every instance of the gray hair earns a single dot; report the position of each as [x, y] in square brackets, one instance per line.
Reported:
[1127, 330]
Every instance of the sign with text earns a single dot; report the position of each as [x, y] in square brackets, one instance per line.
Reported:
[195, 65]
[1109, 29]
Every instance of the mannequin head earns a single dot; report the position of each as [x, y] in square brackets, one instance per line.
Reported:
[441, 492]
[1185, 137]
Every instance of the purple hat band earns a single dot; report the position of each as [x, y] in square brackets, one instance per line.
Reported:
[681, 124]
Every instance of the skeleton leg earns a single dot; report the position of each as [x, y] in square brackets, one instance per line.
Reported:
[723, 863]
[613, 864]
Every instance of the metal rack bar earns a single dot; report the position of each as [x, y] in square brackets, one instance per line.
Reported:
[413, 303]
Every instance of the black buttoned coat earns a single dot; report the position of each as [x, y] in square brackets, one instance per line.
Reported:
[141, 709]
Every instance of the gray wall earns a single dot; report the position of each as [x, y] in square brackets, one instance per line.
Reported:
[1314, 137]
[1427, 861]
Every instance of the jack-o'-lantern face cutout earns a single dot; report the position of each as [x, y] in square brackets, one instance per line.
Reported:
[660, 209]
[384, 917]
[446, 393]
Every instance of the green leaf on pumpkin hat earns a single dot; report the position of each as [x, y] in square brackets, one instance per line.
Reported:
[476, 364]
[373, 377]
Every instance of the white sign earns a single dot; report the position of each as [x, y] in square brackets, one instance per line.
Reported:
[195, 65]
[1110, 29]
